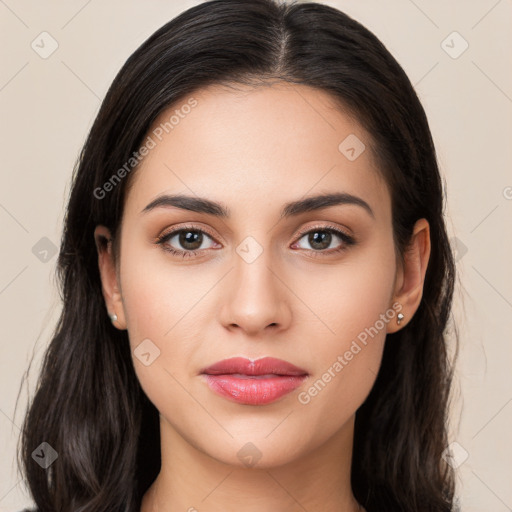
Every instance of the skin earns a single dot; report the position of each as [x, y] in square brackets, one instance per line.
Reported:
[255, 149]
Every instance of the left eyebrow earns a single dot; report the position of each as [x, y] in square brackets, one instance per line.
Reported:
[308, 204]
[321, 201]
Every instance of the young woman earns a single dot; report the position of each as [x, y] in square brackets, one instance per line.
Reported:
[256, 280]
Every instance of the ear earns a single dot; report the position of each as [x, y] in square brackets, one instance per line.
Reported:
[109, 279]
[411, 274]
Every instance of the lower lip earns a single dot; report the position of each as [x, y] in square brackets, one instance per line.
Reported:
[250, 390]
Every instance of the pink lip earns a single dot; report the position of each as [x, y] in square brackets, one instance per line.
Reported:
[257, 382]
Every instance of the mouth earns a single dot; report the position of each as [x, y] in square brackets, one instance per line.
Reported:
[257, 382]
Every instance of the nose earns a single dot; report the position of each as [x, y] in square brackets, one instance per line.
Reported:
[255, 298]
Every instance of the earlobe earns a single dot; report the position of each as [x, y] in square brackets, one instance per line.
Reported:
[411, 276]
[109, 279]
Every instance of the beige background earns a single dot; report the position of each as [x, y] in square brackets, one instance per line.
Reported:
[48, 104]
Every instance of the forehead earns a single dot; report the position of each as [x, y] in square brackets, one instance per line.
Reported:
[269, 143]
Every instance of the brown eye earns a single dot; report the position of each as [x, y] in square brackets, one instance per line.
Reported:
[191, 240]
[186, 241]
[322, 238]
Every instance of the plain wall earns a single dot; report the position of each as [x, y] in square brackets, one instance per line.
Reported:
[48, 105]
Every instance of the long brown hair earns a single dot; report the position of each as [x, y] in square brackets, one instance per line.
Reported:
[89, 405]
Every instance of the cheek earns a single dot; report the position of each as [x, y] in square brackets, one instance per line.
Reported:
[162, 305]
[355, 310]
[161, 298]
[349, 298]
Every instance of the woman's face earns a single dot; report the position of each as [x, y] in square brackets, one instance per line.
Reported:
[266, 280]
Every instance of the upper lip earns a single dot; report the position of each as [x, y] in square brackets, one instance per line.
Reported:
[244, 366]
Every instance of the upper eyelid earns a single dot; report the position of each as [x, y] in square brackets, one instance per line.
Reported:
[172, 232]
[324, 227]
[301, 233]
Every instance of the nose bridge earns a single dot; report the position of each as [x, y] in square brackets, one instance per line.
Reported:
[255, 297]
[252, 269]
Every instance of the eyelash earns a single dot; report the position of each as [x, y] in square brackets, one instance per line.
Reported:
[346, 239]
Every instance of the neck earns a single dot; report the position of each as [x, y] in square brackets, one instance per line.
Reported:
[190, 480]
